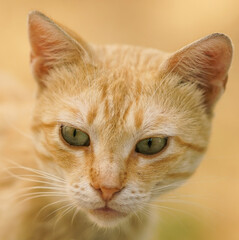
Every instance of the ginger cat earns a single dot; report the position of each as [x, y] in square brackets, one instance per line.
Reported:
[113, 128]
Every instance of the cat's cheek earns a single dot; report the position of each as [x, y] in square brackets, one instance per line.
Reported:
[67, 158]
[80, 191]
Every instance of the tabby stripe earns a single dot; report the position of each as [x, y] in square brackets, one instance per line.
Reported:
[42, 156]
[180, 175]
[138, 118]
[92, 115]
[106, 108]
[189, 145]
[104, 91]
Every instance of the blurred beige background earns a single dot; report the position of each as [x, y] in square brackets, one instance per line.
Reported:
[167, 25]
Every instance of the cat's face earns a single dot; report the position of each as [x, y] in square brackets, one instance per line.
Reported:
[124, 126]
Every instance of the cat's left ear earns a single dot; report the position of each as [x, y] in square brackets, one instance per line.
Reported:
[53, 46]
[205, 62]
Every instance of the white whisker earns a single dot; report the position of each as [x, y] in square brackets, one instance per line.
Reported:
[50, 204]
[74, 215]
[58, 209]
[66, 211]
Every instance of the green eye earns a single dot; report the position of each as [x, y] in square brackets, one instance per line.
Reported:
[150, 146]
[75, 136]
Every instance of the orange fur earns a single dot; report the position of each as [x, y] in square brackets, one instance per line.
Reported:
[118, 95]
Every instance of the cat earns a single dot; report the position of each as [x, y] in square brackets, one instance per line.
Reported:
[113, 128]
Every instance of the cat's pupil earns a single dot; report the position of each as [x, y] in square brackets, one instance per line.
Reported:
[74, 133]
[150, 141]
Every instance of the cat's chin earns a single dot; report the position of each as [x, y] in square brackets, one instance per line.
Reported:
[107, 217]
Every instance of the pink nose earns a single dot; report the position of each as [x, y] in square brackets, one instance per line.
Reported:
[105, 192]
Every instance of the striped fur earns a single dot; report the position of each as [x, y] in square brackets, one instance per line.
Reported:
[118, 95]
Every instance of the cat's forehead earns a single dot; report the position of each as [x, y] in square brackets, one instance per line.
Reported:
[115, 97]
[120, 100]
[103, 98]
[125, 81]
[142, 59]
[108, 81]
[117, 93]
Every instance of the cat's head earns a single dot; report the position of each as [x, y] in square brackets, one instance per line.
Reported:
[124, 124]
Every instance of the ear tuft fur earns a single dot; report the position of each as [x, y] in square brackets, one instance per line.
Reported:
[52, 46]
[205, 62]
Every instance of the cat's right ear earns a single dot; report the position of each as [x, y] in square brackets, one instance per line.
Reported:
[52, 46]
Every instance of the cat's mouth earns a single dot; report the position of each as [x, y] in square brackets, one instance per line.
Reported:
[108, 213]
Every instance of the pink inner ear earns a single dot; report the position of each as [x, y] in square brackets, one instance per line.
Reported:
[53, 46]
[206, 62]
[44, 54]
[39, 44]
[39, 33]
[218, 63]
[45, 41]
[38, 66]
[218, 57]
[49, 44]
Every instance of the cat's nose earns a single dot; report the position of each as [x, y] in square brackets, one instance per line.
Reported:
[106, 193]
